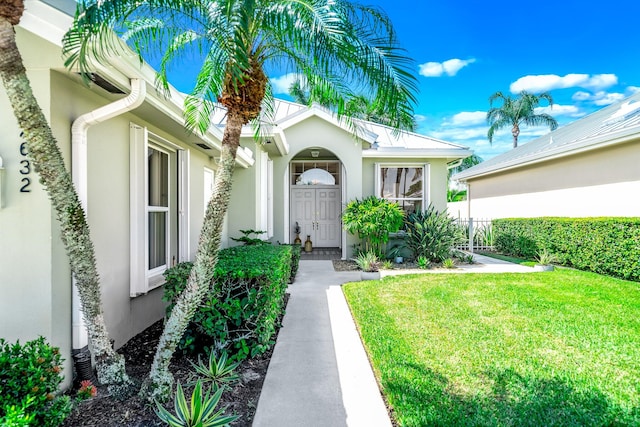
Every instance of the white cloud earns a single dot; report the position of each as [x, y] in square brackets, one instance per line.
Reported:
[420, 118]
[281, 84]
[600, 98]
[560, 110]
[546, 82]
[467, 118]
[632, 89]
[449, 67]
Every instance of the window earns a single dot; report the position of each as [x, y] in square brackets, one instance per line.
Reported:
[403, 184]
[158, 208]
[315, 173]
[159, 225]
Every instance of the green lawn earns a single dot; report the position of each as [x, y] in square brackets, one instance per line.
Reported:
[538, 349]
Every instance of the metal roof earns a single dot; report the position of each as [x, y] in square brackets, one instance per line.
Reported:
[616, 123]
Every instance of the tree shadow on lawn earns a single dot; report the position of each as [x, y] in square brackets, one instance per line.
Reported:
[513, 400]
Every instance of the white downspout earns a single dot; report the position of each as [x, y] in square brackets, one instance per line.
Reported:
[79, 130]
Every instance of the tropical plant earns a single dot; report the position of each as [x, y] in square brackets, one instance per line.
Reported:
[545, 257]
[432, 234]
[335, 46]
[220, 372]
[368, 261]
[515, 112]
[200, 412]
[372, 219]
[248, 240]
[386, 265]
[46, 158]
[423, 262]
[448, 263]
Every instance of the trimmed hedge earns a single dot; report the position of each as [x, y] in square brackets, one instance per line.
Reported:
[608, 246]
[241, 312]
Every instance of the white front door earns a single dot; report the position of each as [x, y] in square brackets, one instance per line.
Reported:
[317, 212]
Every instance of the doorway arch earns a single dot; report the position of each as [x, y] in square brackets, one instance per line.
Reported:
[316, 188]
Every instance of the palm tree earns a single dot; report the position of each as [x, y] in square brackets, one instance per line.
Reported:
[515, 112]
[359, 107]
[336, 46]
[44, 154]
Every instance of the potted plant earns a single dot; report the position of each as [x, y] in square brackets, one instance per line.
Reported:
[544, 260]
[369, 264]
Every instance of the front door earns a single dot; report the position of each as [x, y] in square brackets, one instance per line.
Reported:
[317, 212]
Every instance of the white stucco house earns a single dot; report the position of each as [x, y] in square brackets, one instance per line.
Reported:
[588, 168]
[145, 182]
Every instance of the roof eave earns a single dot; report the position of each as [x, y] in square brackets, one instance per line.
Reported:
[563, 151]
[450, 154]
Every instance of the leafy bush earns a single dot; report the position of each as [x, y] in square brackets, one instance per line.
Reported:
[248, 240]
[372, 219]
[608, 246]
[295, 261]
[241, 312]
[432, 234]
[30, 375]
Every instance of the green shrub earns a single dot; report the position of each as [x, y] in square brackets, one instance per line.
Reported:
[241, 312]
[30, 375]
[608, 246]
[432, 234]
[295, 261]
[372, 219]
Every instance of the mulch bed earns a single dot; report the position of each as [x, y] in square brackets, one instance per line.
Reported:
[104, 411]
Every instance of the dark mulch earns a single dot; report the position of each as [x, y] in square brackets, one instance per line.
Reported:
[105, 411]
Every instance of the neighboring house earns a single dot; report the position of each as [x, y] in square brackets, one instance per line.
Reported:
[145, 182]
[588, 168]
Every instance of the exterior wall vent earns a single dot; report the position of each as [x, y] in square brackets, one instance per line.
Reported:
[104, 84]
[203, 146]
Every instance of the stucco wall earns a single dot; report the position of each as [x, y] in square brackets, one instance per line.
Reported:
[601, 182]
[35, 287]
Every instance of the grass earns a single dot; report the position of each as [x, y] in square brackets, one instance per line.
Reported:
[538, 349]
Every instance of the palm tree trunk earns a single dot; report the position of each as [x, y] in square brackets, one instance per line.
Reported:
[48, 162]
[515, 131]
[159, 384]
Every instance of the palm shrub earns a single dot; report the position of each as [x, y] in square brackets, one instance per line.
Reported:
[432, 234]
[372, 219]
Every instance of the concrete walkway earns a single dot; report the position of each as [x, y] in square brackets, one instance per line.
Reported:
[319, 374]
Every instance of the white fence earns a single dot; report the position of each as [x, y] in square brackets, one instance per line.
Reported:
[479, 234]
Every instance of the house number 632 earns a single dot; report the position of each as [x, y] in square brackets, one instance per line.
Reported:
[25, 168]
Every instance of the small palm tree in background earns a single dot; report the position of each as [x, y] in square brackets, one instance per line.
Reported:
[359, 107]
[516, 111]
[338, 47]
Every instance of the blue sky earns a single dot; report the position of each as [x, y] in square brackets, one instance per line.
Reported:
[585, 53]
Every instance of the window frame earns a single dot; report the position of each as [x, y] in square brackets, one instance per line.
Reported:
[425, 199]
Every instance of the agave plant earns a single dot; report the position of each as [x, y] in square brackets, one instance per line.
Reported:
[219, 372]
[200, 413]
